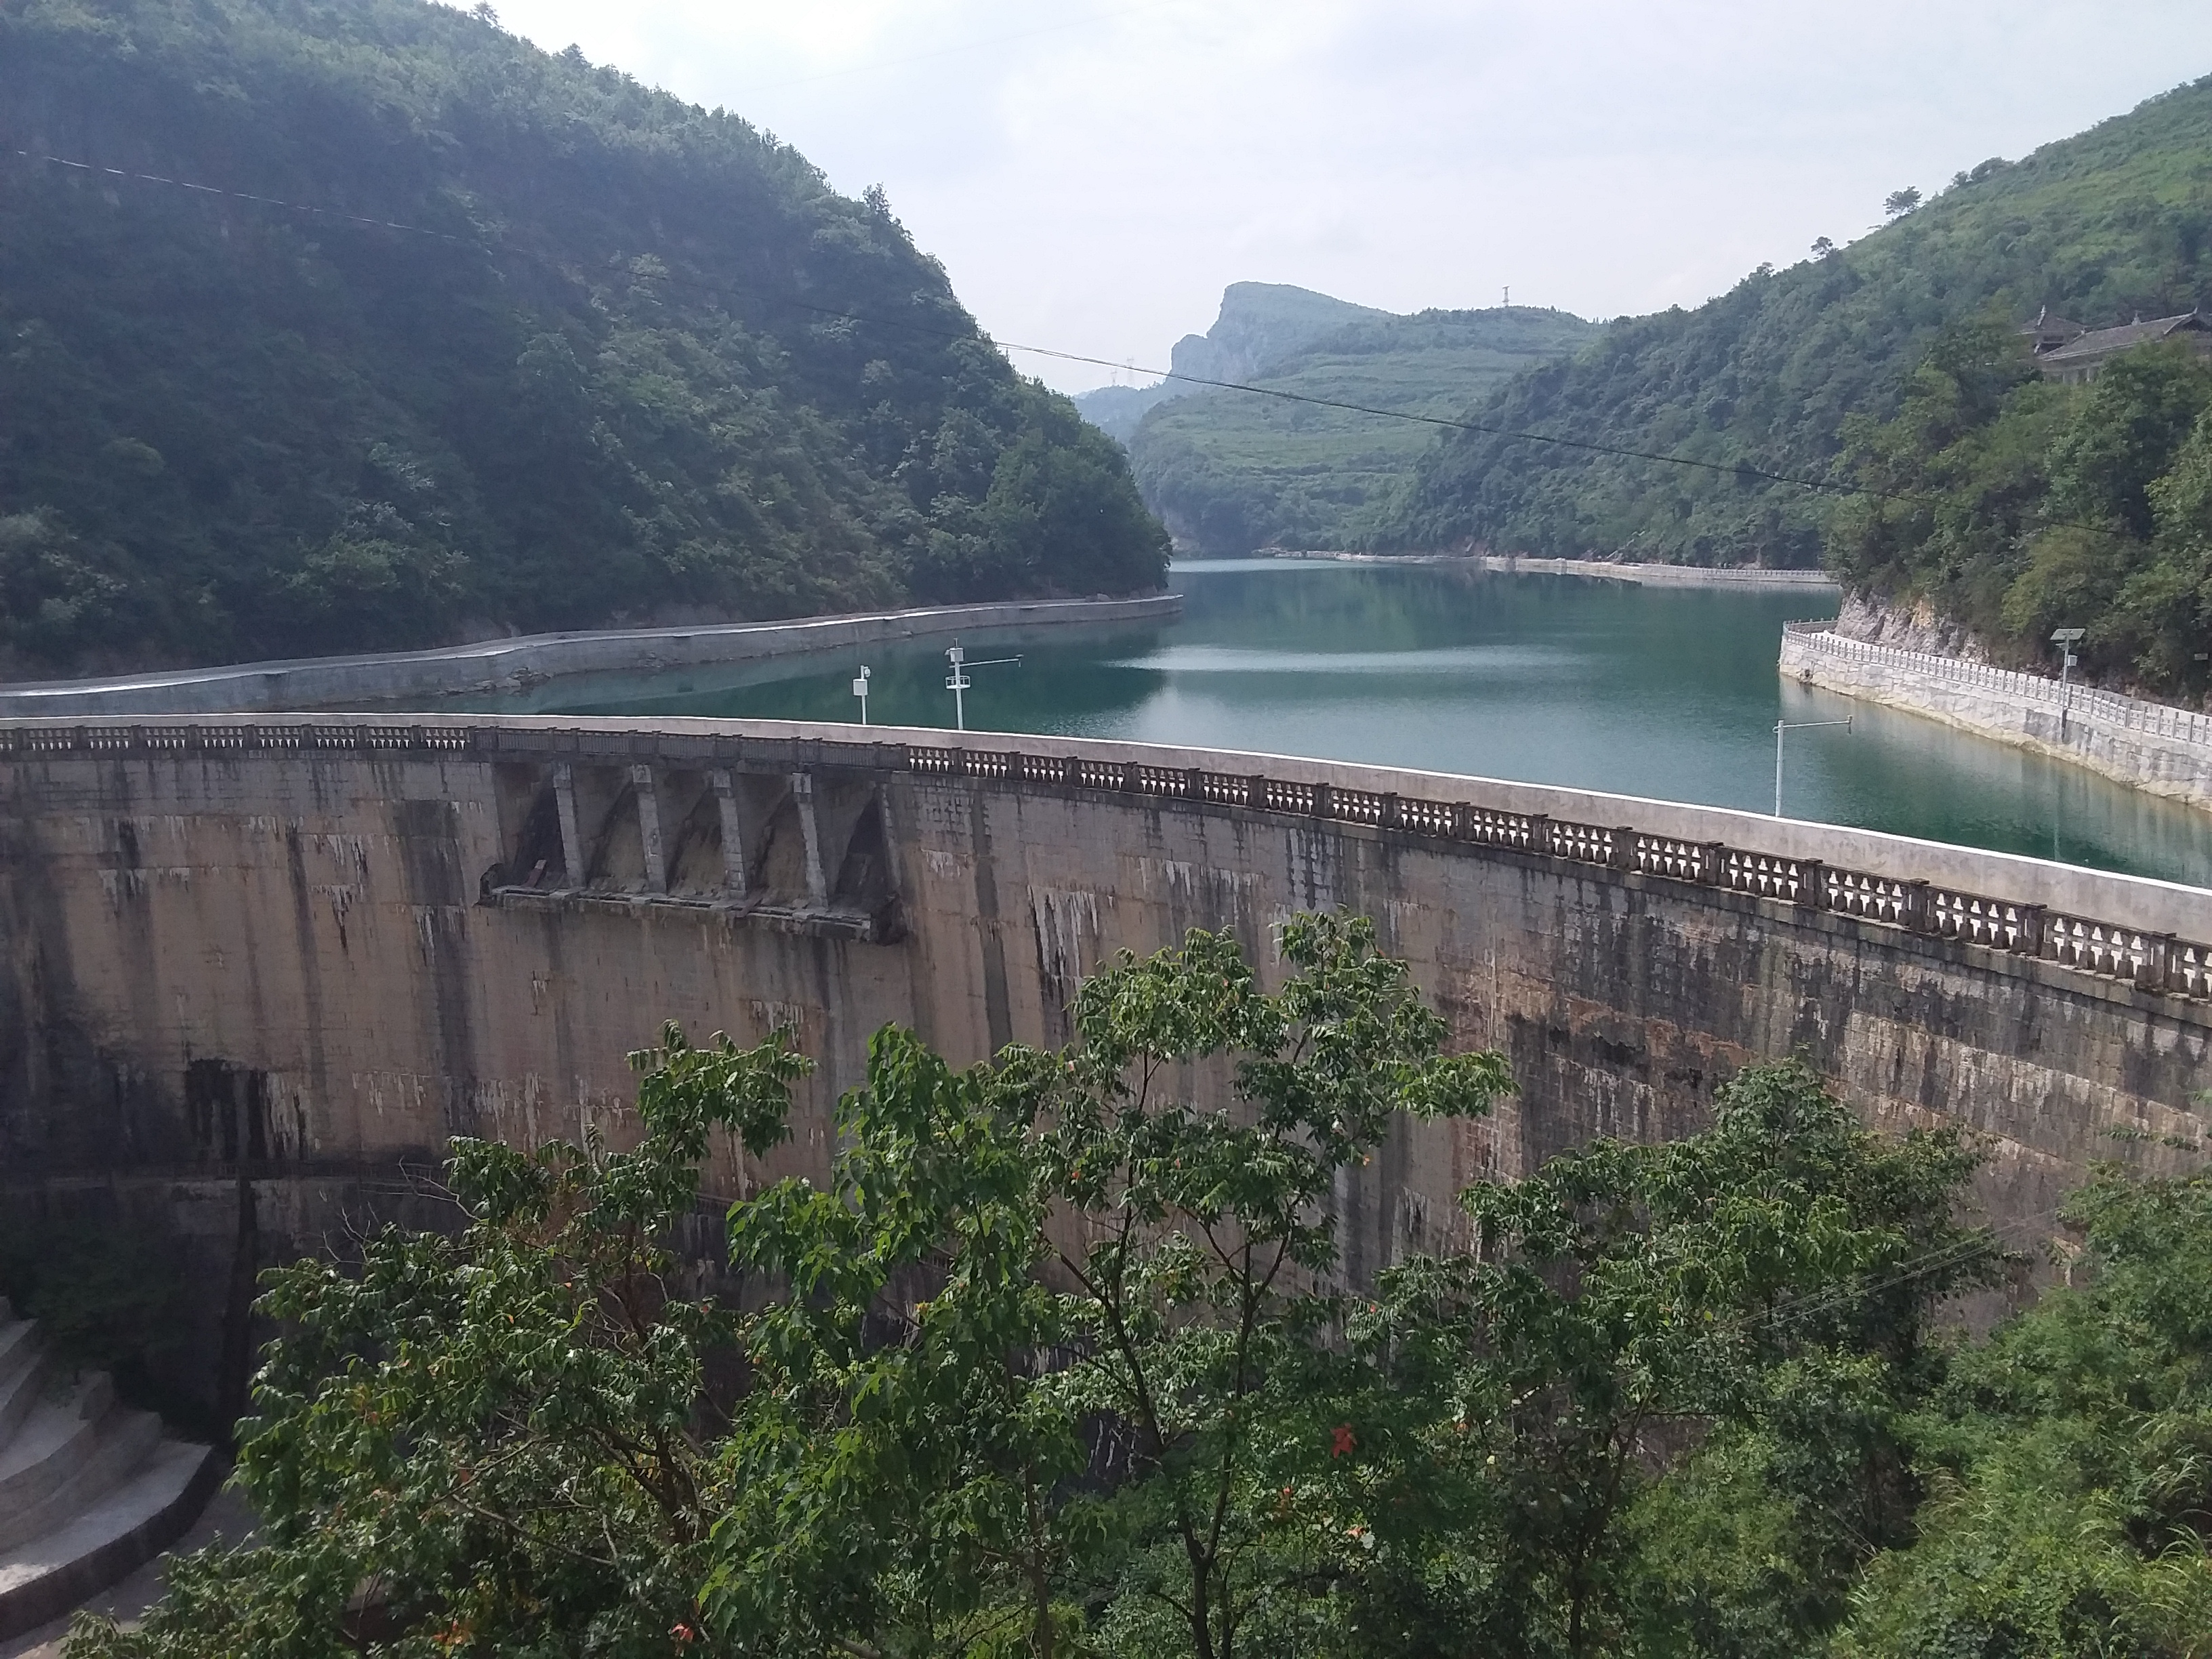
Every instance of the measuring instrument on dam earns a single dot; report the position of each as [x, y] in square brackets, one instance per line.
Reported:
[959, 684]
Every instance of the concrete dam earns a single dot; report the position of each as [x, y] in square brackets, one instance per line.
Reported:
[254, 969]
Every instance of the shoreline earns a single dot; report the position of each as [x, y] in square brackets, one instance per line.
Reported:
[525, 661]
[1641, 574]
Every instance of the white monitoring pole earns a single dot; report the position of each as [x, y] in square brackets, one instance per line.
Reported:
[958, 684]
[2066, 639]
[1780, 727]
[861, 690]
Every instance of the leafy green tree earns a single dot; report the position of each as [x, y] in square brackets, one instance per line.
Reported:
[2070, 1459]
[1899, 203]
[2124, 436]
[1669, 1363]
[1208, 1286]
[912, 1470]
[2016, 506]
[496, 1442]
[1063, 1358]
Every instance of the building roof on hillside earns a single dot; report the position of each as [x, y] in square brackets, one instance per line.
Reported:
[2049, 332]
[2104, 341]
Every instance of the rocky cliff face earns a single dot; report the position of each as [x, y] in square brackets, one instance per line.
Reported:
[1261, 324]
[1914, 628]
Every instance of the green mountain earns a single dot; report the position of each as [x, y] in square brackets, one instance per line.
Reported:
[464, 337]
[2114, 221]
[1230, 471]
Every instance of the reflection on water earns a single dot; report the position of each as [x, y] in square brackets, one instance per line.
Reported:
[1668, 692]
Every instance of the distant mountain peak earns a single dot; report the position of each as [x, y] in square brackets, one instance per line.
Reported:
[1261, 324]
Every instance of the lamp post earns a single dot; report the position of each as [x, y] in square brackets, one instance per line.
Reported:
[1780, 727]
[861, 690]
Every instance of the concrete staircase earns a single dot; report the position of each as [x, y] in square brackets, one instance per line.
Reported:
[88, 1488]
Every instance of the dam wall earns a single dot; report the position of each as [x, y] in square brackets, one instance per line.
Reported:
[513, 663]
[2155, 747]
[254, 973]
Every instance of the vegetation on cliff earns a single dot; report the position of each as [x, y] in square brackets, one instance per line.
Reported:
[2111, 222]
[2017, 505]
[1230, 471]
[630, 360]
[1058, 1363]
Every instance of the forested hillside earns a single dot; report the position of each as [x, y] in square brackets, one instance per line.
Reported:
[628, 359]
[2116, 221]
[1230, 471]
[2012, 506]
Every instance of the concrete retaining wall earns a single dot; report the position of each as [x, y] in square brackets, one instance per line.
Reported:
[495, 665]
[2155, 747]
[284, 961]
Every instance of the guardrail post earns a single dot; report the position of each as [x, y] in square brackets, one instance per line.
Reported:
[1712, 862]
[1394, 812]
[1132, 779]
[1256, 792]
[1071, 770]
[1912, 907]
[2155, 971]
[735, 876]
[1194, 782]
[1624, 847]
[2030, 921]
[648, 827]
[1812, 884]
[1323, 805]
[1540, 833]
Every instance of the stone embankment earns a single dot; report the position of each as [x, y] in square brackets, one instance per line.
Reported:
[88, 1489]
[1642, 575]
[2154, 746]
[514, 664]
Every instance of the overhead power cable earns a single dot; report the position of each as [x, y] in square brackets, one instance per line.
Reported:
[241, 196]
[1588, 446]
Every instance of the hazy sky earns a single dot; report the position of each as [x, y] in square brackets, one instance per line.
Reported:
[1093, 174]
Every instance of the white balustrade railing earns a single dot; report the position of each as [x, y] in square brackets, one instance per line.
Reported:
[2102, 708]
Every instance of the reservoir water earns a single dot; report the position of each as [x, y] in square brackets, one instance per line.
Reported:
[1658, 691]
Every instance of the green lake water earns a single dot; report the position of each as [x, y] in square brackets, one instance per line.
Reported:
[1664, 692]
